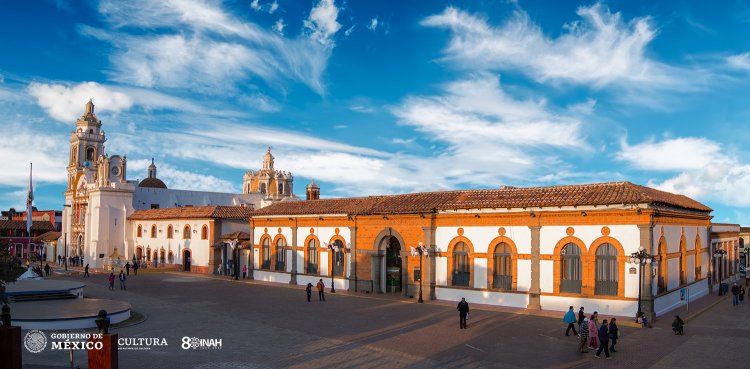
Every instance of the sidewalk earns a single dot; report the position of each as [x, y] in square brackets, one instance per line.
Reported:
[553, 314]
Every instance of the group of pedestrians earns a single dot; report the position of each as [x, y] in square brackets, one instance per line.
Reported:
[321, 291]
[71, 260]
[591, 334]
[122, 277]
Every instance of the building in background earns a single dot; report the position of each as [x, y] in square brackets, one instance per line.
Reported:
[100, 197]
[13, 234]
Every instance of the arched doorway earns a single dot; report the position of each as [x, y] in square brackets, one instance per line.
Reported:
[393, 266]
[79, 247]
[186, 260]
[139, 254]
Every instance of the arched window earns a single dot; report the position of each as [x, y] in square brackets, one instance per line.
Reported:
[662, 283]
[697, 258]
[186, 232]
[280, 255]
[337, 263]
[503, 272]
[148, 254]
[606, 270]
[263, 188]
[153, 231]
[281, 188]
[204, 232]
[90, 153]
[683, 275]
[170, 258]
[266, 254]
[139, 232]
[461, 267]
[570, 270]
[312, 257]
[170, 231]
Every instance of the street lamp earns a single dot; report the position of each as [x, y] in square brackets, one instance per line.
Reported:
[642, 258]
[421, 251]
[334, 247]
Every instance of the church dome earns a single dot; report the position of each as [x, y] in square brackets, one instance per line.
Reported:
[152, 183]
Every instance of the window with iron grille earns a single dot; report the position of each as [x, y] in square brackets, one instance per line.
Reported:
[312, 257]
[266, 254]
[570, 269]
[606, 270]
[338, 259]
[503, 272]
[461, 267]
[280, 255]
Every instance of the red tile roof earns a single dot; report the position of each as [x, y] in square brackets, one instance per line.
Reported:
[36, 225]
[194, 212]
[611, 193]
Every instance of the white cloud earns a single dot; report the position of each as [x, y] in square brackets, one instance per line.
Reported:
[739, 61]
[270, 8]
[402, 141]
[705, 170]
[486, 136]
[260, 102]
[322, 23]
[279, 26]
[66, 103]
[204, 48]
[373, 24]
[21, 145]
[349, 30]
[600, 49]
[181, 179]
[686, 153]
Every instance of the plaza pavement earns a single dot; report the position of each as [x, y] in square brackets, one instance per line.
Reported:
[272, 326]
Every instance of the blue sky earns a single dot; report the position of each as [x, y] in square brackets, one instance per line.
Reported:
[375, 97]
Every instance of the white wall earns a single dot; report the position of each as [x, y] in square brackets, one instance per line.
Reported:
[199, 248]
[519, 300]
[481, 237]
[603, 306]
[671, 301]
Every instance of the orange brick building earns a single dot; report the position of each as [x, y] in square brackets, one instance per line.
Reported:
[546, 247]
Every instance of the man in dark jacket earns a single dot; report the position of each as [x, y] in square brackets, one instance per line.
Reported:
[581, 315]
[603, 340]
[463, 312]
[735, 295]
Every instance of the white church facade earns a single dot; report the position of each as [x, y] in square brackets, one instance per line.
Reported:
[99, 197]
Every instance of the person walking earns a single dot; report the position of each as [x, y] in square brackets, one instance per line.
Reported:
[735, 295]
[583, 335]
[127, 268]
[463, 313]
[308, 289]
[593, 336]
[570, 318]
[244, 271]
[136, 265]
[122, 280]
[321, 290]
[677, 325]
[603, 340]
[581, 316]
[46, 269]
[614, 334]
[742, 294]
[86, 271]
[111, 279]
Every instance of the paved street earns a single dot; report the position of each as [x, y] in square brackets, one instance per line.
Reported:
[270, 326]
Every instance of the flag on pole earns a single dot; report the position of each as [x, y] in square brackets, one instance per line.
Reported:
[29, 202]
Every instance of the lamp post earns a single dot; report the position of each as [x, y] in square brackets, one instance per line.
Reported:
[65, 245]
[642, 258]
[334, 249]
[422, 251]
